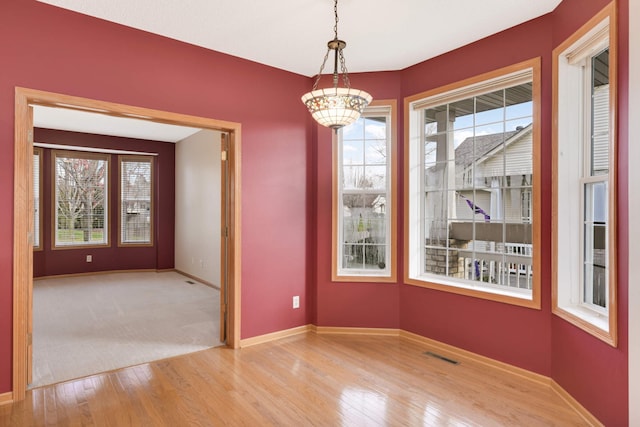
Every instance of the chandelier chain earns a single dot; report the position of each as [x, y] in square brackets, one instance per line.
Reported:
[345, 74]
[326, 56]
[335, 13]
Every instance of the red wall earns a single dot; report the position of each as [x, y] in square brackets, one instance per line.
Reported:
[590, 370]
[47, 48]
[490, 328]
[593, 372]
[481, 326]
[48, 262]
[372, 305]
[286, 184]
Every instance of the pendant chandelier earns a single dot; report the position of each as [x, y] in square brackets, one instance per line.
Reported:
[336, 107]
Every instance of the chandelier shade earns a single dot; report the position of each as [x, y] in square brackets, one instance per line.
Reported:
[336, 107]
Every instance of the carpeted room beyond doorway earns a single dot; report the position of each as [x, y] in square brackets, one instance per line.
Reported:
[89, 324]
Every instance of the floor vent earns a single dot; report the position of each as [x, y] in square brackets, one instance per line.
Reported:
[190, 282]
[438, 356]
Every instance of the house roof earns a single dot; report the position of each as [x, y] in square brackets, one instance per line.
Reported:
[466, 153]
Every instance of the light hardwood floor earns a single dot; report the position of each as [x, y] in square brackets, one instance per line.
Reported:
[308, 379]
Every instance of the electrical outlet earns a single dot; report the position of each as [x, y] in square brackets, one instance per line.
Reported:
[89, 258]
[296, 301]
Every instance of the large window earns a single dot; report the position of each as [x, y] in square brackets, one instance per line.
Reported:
[37, 199]
[136, 191]
[584, 155]
[80, 199]
[472, 178]
[364, 214]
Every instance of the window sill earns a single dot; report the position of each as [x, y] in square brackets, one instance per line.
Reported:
[519, 297]
[81, 246]
[135, 245]
[364, 277]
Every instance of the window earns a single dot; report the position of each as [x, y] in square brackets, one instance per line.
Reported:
[584, 155]
[472, 182]
[37, 202]
[136, 207]
[80, 202]
[364, 206]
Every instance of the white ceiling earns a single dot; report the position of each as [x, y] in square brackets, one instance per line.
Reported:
[381, 35]
[102, 124]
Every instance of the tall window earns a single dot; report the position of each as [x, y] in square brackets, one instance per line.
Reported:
[37, 202]
[80, 202]
[364, 214]
[473, 150]
[584, 155]
[136, 191]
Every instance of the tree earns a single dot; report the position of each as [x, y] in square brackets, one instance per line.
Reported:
[80, 192]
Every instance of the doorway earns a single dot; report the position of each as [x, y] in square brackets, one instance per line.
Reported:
[23, 215]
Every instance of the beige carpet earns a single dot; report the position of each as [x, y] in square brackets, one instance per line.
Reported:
[90, 324]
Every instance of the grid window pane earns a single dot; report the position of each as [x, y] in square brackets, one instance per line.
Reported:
[477, 193]
[363, 219]
[352, 153]
[595, 244]
[81, 187]
[37, 159]
[135, 200]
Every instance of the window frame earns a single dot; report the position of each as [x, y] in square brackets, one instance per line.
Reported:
[151, 161]
[414, 106]
[40, 152]
[570, 125]
[377, 108]
[107, 216]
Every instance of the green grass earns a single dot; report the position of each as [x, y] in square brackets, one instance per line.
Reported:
[77, 236]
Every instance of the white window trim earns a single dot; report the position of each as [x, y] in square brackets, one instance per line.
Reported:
[414, 252]
[377, 108]
[572, 124]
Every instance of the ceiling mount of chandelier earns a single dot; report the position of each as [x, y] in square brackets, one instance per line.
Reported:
[336, 107]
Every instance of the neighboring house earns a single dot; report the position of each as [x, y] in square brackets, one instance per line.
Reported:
[513, 204]
[483, 197]
[490, 202]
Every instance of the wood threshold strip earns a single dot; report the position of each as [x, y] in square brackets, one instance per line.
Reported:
[441, 348]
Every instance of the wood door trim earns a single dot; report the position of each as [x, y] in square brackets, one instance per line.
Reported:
[23, 163]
